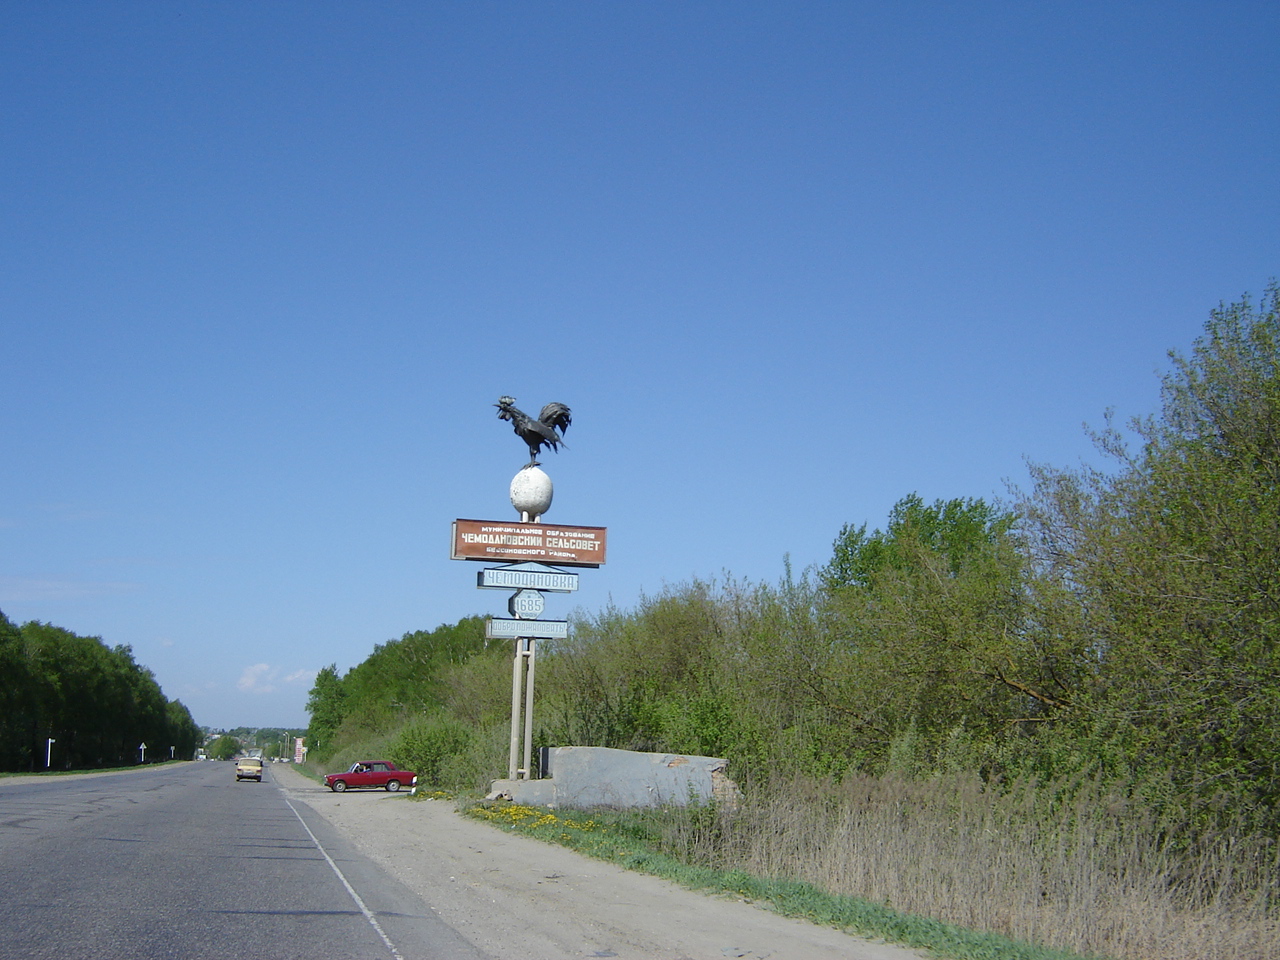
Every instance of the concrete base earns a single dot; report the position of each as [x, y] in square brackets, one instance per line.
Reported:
[583, 777]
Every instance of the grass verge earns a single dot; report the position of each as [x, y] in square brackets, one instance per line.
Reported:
[88, 770]
[630, 840]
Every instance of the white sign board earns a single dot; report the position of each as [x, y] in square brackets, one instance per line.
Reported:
[514, 578]
[500, 628]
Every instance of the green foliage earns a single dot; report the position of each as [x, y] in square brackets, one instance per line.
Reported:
[431, 747]
[184, 734]
[272, 741]
[16, 701]
[1159, 582]
[1113, 629]
[327, 705]
[633, 680]
[224, 748]
[400, 680]
[928, 617]
[95, 701]
[952, 531]
[1121, 624]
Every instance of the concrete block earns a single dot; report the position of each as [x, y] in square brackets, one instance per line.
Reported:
[584, 777]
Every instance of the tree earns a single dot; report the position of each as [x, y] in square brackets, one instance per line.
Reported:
[401, 678]
[224, 748]
[328, 708]
[1160, 580]
[928, 622]
[95, 700]
[16, 707]
[953, 530]
[183, 733]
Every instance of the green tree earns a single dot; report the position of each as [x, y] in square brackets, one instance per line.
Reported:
[95, 700]
[954, 531]
[925, 645]
[1159, 581]
[17, 717]
[327, 705]
[400, 679]
[183, 733]
[224, 748]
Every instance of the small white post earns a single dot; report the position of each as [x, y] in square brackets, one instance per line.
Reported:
[48, 752]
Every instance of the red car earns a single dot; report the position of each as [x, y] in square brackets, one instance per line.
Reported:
[371, 773]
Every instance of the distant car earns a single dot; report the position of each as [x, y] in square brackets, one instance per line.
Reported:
[371, 773]
[249, 768]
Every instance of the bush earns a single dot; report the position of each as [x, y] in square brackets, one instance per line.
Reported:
[430, 747]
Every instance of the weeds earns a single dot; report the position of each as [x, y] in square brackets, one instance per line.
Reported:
[1074, 866]
[634, 841]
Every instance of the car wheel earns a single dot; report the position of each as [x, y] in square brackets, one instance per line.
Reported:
[339, 786]
[393, 786]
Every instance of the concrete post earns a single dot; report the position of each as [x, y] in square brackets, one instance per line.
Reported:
[516, 673]
[528, 713]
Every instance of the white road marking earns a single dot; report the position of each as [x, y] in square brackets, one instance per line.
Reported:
[368, 914]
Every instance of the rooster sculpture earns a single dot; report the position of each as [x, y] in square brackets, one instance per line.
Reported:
[536, 433]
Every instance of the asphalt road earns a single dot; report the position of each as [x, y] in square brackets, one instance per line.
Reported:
[181, 861]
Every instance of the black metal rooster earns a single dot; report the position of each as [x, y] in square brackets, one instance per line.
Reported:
[536, 433]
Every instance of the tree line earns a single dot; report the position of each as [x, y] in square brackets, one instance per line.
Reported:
[95, 702]
[1116, 621]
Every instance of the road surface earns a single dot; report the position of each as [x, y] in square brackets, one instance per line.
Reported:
[181, 861]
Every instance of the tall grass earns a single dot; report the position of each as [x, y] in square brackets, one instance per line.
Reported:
[1075, 866]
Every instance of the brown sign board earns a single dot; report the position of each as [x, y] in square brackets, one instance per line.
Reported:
[539, 542]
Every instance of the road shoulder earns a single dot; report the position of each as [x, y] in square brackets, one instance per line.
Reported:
[514, 896]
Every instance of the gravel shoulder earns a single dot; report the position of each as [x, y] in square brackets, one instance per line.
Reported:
[516, 897]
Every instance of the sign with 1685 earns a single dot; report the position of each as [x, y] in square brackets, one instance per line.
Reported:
[526, 604]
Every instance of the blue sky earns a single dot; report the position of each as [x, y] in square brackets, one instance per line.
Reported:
[265, 268]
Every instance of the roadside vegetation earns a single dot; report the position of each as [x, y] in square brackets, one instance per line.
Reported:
[1052, 719]
[652, 842]
[95, 702]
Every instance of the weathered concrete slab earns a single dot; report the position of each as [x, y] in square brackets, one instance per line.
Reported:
[583, 777]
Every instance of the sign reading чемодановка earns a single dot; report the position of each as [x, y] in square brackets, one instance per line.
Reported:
[516, 578]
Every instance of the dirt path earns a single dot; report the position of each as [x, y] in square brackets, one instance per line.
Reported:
[514, 897]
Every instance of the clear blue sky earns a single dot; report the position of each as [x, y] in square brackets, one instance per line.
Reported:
[265, 269]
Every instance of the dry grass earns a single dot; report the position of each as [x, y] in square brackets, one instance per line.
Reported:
[1070, 866]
